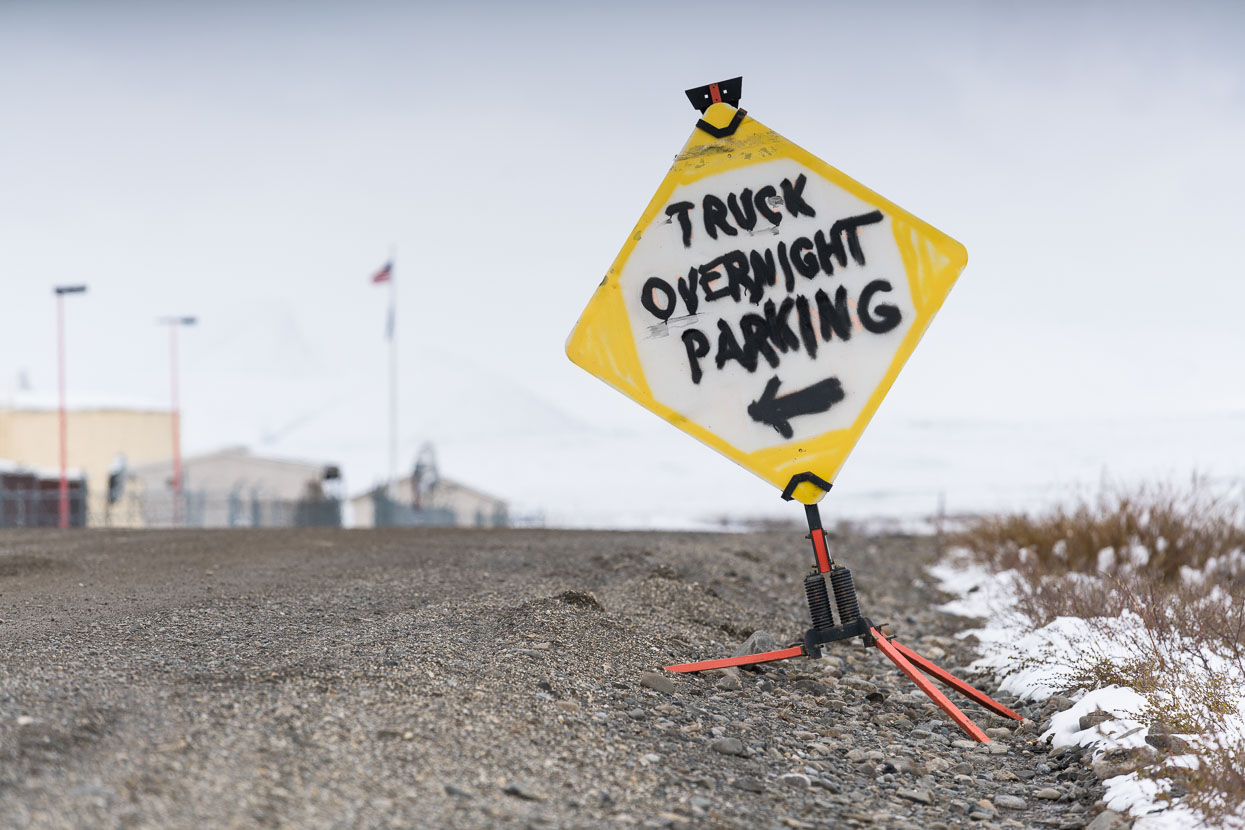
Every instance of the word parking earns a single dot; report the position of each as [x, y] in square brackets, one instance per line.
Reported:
[792, 309]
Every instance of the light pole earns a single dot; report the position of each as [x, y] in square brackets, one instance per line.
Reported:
[386, 275]
[174, 323]
[61, 291]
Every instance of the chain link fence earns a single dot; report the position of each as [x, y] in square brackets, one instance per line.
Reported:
[39, 506]
[27, 501]
[390, 513]
[237, 509]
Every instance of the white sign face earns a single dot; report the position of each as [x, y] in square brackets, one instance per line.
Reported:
[766, 303]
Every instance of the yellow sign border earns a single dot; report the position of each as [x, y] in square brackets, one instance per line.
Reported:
[602, 342]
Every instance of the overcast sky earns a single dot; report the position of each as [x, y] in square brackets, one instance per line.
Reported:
[253, 163]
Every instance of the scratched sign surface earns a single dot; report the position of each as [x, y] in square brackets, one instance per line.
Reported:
[765, 302]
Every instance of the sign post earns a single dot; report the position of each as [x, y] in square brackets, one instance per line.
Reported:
[179, 504]
[62, 512]
[764, 304]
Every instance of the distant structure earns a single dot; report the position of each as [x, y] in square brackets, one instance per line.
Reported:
[121, 475]
[100, 439]
[30, 497]
[425, 499]
[236, 488]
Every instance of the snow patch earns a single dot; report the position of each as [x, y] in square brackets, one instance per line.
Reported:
[1036, 663]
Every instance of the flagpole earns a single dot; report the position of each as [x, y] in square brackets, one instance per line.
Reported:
[393, 377]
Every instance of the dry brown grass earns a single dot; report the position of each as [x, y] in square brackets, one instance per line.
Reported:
[1217, 786]
[1188, 657]
[1175, 526]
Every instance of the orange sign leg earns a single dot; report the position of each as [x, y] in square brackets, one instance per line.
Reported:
[853, 625]
[954, 682]
[924, 685]
[746, 660]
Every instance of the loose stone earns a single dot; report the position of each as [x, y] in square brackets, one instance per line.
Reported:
[757, 643]
[811, 687]
[1108, 820]
[749, 784]
[1168, 743]
[919, 796]
[728, 746]
[522, 791]
[657, 682]
[985, 806]
[796, 779]
[1094, 718]
[903, 765]
[1122, 761]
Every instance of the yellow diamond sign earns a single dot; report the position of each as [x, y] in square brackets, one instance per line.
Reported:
[765, 302]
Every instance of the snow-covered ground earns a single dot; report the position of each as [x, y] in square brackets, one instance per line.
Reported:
[1036, 662]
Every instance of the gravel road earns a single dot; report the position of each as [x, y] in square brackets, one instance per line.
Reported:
[448, 678]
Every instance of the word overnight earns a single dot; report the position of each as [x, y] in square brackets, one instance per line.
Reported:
[789, 322]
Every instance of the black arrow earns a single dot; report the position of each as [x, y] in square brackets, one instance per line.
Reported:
[778, 412]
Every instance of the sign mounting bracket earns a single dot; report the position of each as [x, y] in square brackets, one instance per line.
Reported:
[723, 92]
[728, 91]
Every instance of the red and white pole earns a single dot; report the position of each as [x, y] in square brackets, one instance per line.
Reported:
[174, 323]
[63, 512]
[177, 428]
[61, 291]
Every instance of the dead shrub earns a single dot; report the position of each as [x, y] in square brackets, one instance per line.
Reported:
[1217, 787]
[1173, 557]
[1158, 527]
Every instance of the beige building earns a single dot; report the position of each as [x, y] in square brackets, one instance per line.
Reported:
[235, 488]
[96, 439]
[444, 503]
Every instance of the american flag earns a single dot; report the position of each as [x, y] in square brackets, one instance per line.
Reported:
[384, 274]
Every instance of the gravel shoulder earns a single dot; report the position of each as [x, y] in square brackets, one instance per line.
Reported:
[450, 678]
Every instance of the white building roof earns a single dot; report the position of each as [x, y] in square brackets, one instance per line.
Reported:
[79, 402]
[242, 454]
[7, 466]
